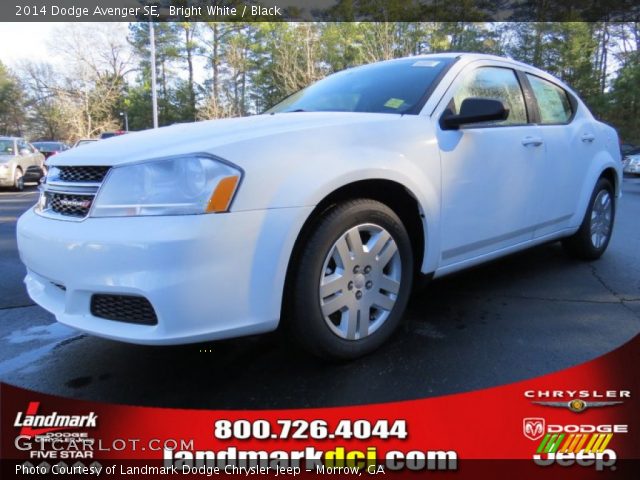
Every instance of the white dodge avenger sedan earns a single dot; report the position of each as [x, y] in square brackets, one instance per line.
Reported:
[319, 214]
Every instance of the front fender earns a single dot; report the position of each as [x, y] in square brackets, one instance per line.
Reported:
[289, 170]
[419, 184]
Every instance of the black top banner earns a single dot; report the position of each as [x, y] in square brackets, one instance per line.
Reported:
[319, 10]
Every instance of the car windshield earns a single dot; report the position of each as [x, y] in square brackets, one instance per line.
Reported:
[6, 147]
[633, 151]
[397, 86]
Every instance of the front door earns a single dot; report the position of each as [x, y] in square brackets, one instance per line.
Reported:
[489, 171]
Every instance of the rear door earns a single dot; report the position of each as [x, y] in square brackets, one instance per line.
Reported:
[489, 171]
[567, 142]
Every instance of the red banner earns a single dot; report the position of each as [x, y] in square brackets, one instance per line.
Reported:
[576, 423]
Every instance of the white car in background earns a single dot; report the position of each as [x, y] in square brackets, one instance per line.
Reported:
[320, 213]
[20, 162]
[631, 163]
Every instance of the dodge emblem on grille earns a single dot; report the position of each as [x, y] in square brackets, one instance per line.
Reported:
[66, 202]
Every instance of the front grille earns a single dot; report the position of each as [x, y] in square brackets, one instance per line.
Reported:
[123, 308]
[69, 191]
[69, 204]
[82, 174]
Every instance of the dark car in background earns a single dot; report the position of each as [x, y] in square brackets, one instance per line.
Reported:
[50, 148]
[104, 135]
[627, 148]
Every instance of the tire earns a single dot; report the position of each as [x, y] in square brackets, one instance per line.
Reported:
[18, 180]
[351, 278]
[592, 238]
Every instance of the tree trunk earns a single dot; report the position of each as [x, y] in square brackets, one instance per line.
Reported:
[214, 65]
[192, 93]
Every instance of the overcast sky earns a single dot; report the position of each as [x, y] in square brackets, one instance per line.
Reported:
[25, 41]
[30, 41]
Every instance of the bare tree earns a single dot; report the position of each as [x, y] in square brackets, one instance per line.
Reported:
[85, 88]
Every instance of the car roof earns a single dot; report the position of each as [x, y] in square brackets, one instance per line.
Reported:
[468, 57]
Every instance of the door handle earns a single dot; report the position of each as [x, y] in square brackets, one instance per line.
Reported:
[532, 141]
[588, 137]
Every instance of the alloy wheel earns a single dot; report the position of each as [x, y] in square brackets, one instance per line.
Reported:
[601, 216]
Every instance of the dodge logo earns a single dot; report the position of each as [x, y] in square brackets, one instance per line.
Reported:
[533, 428]
[75, 203]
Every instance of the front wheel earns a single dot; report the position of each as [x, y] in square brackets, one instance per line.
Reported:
[352, 283]
[592, 238]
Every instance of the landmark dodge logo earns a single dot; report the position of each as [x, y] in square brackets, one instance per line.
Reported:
[52, 422]
[533, 428]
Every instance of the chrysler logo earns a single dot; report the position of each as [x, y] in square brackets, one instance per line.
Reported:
[577, 405]
[533, 428]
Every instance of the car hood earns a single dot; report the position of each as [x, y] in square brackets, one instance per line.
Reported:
[6, 158]
[208, 135]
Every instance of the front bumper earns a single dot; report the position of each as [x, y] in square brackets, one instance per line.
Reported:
[6, 175]
[206, 276]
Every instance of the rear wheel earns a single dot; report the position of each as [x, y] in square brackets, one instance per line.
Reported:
[352, 283]
[592, 238]
[18, 180]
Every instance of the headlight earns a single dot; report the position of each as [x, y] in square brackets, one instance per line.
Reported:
[185, 185]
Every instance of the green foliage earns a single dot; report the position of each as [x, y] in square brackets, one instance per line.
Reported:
[11, 103]
[624, 107]
[247, 67]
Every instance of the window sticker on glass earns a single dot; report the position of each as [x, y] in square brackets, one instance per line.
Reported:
[394, 103]
[426, 63]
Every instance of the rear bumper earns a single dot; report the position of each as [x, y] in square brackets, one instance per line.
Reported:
[206, 276]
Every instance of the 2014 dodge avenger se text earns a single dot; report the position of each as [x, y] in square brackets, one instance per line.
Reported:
[321, 212]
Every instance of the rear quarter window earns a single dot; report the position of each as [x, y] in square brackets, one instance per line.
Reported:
[553, 101]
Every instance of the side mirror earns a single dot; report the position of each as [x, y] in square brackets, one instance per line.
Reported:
[474, 110]
[25, 151]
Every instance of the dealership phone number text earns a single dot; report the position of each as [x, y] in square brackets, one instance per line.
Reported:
[308, 429]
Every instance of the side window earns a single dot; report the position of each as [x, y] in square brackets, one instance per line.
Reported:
[553, 101]
[22, 145]
[496, 83]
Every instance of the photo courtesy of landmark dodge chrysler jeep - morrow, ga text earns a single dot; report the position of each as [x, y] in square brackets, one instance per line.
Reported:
[319, 213]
